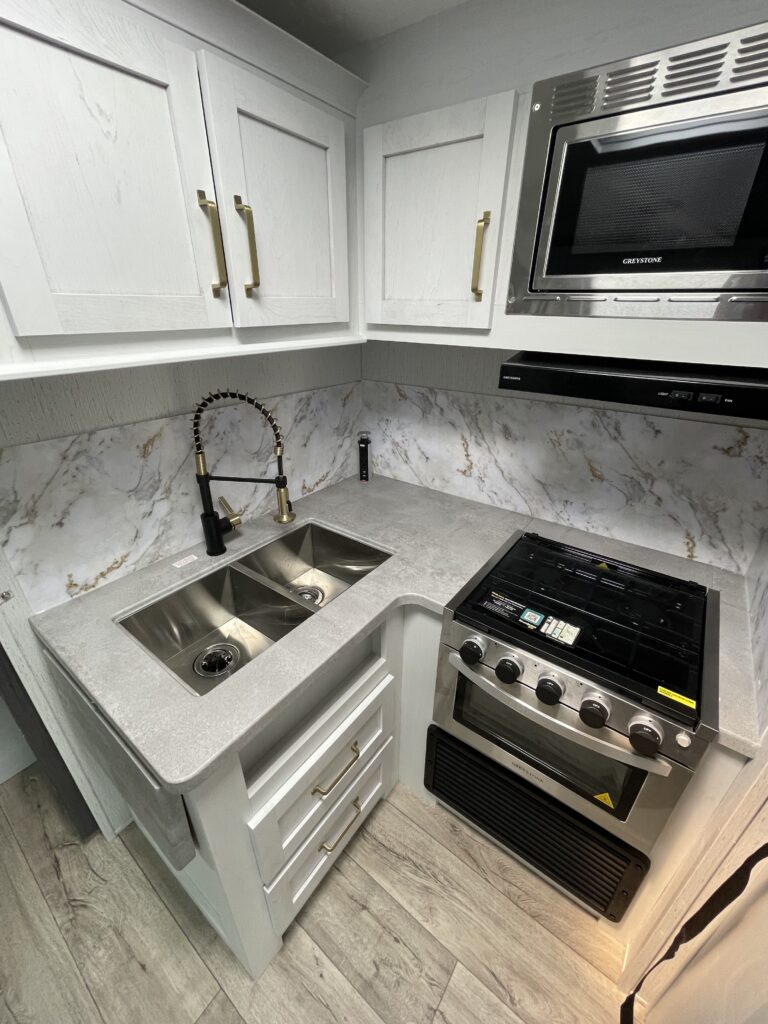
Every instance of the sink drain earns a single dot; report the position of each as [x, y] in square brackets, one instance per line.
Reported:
[216, 660]
[312, 594]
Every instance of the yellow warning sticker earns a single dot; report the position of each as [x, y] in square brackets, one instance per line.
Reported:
[677, 696]
[605, 798]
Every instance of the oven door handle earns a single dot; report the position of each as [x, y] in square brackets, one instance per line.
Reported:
[652, 765]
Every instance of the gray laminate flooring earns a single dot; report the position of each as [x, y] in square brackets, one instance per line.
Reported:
[421, 921]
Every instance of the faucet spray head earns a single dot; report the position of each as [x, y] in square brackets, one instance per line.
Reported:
[285, 513]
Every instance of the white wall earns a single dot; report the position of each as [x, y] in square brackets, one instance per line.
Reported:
[486, 46]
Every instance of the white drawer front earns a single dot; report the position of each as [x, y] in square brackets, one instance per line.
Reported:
[284, 821]
[301, 876]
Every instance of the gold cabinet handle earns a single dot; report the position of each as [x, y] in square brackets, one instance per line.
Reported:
[342, 773]
[324, 847]
[247, 212]
[218, 242]
[480, 227]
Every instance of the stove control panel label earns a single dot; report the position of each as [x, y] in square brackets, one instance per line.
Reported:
[532, 618]
[504, 606]
[565, 632]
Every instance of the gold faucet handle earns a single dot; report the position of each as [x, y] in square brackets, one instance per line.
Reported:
[230, 513]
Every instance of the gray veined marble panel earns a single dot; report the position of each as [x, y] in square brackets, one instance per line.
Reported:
[78, 511]
[699, 490]
[757, 597]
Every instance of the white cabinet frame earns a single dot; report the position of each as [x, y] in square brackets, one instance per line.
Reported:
[113, 47]
[474, 183]
[300, 224]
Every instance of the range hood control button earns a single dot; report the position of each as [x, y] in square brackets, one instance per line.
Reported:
[472, 651]
[549, 689]
[645, 735]
[508, 670]
[595, 710]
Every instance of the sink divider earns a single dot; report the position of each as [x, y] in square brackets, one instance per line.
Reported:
[274, 586]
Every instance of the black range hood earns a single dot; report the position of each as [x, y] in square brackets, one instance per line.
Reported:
[716, 390]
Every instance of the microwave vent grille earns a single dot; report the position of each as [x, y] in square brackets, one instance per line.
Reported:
[694, 71]
[574, 98]
[751, 60]
[626, 87]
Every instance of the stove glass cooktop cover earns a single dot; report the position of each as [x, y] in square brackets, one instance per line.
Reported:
[639, 630]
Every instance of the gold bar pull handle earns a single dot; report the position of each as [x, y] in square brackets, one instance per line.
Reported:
[480, 227]
[218, 242]
[324, 847]
[355, 756]
[247, 212]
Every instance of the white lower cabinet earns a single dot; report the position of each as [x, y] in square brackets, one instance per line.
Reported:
[311, 798]
[288, 893]
[283, 821]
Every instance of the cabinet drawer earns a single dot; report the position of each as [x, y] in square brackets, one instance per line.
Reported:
[283, 822]
[301, 876]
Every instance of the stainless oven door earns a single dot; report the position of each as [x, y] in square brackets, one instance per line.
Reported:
[667, 198]
[597, 774]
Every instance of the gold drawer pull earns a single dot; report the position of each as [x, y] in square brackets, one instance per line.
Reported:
[218, 242]
[342, 773]
[480, 227]
[324, 847]
[247, 212]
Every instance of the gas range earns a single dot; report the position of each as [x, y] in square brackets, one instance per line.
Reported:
[624, 646]
[576, 696]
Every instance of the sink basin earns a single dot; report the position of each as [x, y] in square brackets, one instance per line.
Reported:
[209, 629]
[314, 563]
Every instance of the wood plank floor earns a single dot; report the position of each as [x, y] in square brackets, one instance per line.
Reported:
[421, 921]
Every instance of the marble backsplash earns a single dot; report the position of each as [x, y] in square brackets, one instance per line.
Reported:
[690, 488]
[78, 511]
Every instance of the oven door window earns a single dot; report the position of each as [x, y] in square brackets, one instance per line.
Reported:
[683, 199]
[608, 784]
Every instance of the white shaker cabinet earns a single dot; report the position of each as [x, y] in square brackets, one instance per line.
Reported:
[102, 153]
[279, 163]
[434, 187]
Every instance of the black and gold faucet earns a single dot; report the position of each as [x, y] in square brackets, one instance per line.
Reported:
[214, 525]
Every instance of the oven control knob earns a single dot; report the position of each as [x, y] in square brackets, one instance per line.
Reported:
[472, 651]
[645, 735]
[595, 710]
[508, 670]
[549, 689]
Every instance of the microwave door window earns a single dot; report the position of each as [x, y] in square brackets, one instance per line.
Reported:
[666, 202]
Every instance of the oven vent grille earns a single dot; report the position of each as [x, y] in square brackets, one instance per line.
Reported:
[574, 99]
[751, 61]
[694, 71]
[579, 856]
[625, 87]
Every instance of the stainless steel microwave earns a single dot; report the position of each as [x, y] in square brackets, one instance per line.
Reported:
[645, 187]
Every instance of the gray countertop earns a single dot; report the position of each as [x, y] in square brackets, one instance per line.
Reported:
[437, 542]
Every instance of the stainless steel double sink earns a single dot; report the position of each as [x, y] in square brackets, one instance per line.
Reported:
[210, 628]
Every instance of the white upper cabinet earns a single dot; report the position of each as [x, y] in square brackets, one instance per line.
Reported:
[102, 153]
[434, 187]
[280, 174]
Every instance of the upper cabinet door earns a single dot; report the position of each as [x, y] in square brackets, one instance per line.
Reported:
[434, 187]
[102, 152]
[280, 174]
